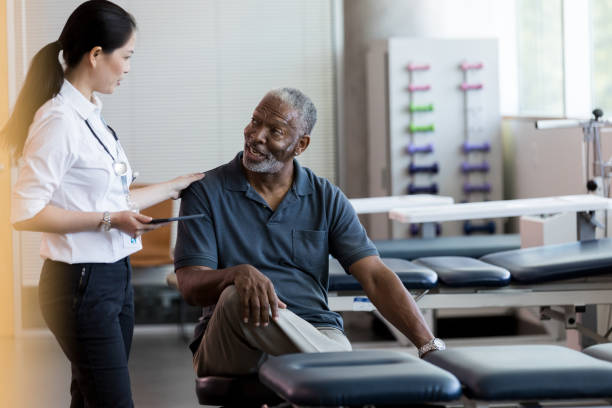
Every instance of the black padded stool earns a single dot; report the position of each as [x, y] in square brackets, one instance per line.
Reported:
[238, 392]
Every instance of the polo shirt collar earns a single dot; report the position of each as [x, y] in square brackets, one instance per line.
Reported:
[302, 184]
[235, 179]
[75, 98]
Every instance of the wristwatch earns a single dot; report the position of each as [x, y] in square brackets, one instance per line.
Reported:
[433, 344]
[105, 224]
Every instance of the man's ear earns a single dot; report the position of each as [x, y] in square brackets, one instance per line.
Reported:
[302, 144]
[92, 56]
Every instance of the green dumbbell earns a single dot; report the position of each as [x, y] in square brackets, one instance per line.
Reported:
[426, 128]
[421, 108]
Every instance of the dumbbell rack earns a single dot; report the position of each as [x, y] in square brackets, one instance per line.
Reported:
[417, 123]
[475, 166]
[422, 175]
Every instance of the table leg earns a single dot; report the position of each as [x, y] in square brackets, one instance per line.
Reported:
[586, 224]
[428, 230]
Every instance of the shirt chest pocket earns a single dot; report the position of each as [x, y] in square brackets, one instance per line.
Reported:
[310, 248]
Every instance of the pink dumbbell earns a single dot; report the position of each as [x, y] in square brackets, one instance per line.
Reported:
[417, 88]
[470, 87]
[416, 67]
[467, 66]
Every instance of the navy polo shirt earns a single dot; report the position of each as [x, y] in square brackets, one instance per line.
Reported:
[290, 245]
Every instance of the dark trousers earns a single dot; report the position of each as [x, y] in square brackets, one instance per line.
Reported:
[90, 310]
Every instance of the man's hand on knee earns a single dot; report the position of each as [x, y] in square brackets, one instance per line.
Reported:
[257, 295]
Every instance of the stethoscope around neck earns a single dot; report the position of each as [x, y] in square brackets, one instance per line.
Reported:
[120, 167]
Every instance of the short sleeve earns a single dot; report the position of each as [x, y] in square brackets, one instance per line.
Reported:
[49, 152]
[196, 243]
[348, 240]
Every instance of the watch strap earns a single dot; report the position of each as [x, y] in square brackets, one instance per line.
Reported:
[105, 223]
[431, 345]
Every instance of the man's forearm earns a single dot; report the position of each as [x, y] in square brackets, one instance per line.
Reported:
[202, 286]
[393, 301]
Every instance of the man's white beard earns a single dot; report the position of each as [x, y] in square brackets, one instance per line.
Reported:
[269, 165]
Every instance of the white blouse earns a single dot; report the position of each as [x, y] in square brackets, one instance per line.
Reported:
[64, 165]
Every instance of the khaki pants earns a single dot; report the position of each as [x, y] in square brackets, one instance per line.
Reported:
[231, 347]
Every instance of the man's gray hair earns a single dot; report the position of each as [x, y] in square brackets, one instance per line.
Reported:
[301, 103]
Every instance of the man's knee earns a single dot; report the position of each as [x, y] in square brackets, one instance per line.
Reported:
[229, 302]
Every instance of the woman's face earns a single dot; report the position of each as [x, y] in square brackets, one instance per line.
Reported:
[113, 67]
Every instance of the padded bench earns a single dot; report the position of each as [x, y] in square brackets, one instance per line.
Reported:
[556, 262]
[365, 377]
[601, 351]
[528, 266]
[519, 278]
[473, 246]
[534, 373]
[459, 271]
[412, 276]
[526, 373]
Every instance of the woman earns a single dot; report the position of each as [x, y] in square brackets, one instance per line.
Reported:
[73, 186]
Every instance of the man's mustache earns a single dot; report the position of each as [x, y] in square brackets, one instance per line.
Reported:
[252, 146]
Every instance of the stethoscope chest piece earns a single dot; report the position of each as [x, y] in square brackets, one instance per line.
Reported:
[120, 168]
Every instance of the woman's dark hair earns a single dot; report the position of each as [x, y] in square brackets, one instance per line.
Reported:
[94, 23]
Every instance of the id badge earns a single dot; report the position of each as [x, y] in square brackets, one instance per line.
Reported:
[129, 242]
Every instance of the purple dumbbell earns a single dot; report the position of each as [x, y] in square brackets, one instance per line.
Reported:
[483, 167]
[430, 189]
[413, 149]
[476, 188]
[469, 228]
[432, 168]
[475, 147]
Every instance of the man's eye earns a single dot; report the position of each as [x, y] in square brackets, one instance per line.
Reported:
[277, 131]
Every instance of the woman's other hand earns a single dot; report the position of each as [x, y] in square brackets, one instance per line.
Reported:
[144, 197]
[180, 183]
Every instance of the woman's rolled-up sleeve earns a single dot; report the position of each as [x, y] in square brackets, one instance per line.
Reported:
[49, 152]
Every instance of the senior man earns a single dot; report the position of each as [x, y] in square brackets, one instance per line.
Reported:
[258, 259]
